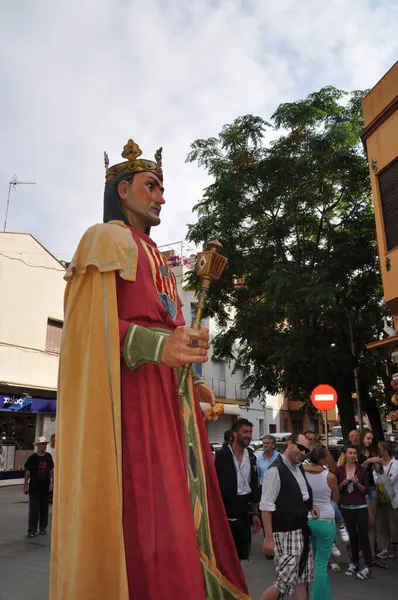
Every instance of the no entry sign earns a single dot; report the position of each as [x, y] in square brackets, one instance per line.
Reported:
[324, 397]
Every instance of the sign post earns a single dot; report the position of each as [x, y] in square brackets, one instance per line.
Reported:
[324, 398]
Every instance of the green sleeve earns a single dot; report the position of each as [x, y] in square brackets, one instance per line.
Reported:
[142, 345]
[197, 379]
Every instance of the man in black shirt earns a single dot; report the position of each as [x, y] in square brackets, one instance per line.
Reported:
[38, 483]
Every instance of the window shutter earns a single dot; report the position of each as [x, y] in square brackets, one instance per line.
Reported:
[388, 185]
[54, 335]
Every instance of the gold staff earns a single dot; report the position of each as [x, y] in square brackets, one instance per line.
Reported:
[209, 266]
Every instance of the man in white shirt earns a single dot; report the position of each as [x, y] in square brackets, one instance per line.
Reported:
[237, 476]
[285, 502]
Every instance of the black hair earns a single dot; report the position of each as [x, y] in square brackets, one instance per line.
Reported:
[353, 446]
[240, 423]
[227, 436]
[294, 437]
[310, 431]
[113, 210]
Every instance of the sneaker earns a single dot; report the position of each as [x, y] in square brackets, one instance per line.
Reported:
[352, 569]
[31, 534]
[335, 550]
[43, 532]
[376, 562]
[335, 568]
[343, 533]
[385, 553]
[364, 574]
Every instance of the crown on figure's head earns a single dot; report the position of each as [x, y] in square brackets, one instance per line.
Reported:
[133, 164]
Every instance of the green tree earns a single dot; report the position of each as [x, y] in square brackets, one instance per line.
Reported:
[296, 220]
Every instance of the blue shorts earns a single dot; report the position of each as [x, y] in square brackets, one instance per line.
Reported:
[372, 493]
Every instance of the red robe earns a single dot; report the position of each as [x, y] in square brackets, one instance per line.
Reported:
[162, 554]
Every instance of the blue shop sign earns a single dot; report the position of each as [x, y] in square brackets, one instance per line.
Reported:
[27, 404]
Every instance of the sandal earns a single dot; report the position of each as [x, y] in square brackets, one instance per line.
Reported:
[376, 562]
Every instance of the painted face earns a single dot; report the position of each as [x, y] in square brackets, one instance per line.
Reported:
[142, 200]
[368, 440]
[244, 435]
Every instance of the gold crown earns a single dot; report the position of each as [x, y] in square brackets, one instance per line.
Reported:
[132, 151]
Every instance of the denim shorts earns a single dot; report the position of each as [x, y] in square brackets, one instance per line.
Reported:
[372, 493]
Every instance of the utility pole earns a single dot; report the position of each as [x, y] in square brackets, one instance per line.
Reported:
[356, 373]
[13, 185]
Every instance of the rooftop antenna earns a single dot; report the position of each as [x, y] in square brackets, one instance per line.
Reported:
[13, 185]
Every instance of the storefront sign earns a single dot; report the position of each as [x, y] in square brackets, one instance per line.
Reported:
[27, 404]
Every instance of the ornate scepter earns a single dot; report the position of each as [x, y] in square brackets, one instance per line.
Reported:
[209, 266]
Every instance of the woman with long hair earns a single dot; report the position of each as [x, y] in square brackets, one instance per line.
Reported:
[353, 486]
[323, 530]
[368, 457]
[384, 472]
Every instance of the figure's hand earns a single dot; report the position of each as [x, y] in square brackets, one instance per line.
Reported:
[315, 512]
[206, 394]
[178, 349]
[268, 546]
[256, 524]
[355, 479]
[25, 489]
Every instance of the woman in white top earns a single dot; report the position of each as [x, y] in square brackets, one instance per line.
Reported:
[386, 479]
[323, 530]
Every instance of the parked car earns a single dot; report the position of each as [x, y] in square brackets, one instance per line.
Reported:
[215, 446]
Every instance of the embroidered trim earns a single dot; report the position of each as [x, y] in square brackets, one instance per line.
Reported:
[158, 348]
[130, 334]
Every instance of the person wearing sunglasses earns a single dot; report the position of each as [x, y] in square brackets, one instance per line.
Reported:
[285, 503]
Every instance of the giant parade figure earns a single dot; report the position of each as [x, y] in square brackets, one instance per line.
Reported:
[138, 514]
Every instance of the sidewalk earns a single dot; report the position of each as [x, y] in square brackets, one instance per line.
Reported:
[24, 564]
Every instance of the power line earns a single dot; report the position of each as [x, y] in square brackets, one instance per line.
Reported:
[30, 265]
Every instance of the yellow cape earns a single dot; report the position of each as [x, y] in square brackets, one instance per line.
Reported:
[87, 553]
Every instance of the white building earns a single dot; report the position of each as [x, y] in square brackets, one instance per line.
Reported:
[227, 385]
[31, 317]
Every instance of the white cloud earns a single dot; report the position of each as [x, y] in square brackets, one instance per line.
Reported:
[81, 77]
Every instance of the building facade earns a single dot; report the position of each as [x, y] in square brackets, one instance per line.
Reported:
[31, 319]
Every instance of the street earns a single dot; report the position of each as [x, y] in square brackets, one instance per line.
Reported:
[24, 564]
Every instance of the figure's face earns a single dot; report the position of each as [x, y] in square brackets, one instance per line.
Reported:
[244, 436]
[268, 446]
[353, 436]
[296, 452]
[142, 200]
[368, 440]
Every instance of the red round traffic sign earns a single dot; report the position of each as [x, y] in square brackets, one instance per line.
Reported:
[324, 397]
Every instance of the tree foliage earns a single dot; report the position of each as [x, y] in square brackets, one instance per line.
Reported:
[296, 220]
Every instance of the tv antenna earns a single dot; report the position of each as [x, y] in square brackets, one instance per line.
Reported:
[13, 185]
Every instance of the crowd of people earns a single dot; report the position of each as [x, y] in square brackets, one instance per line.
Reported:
[301, 499]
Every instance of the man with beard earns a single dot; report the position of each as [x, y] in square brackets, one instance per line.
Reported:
[137, 508]
[236, 471]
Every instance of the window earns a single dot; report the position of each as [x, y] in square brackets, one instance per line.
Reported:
[261, 427]
[388, 185]
[297, 425]
[198, 368]
[54, 335]
[286, 425]
[272, 428]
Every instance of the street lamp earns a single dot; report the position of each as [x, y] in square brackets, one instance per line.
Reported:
[263, 403]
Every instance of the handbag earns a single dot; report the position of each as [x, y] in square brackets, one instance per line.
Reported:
[384, 488]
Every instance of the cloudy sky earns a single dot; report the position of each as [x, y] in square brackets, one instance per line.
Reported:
[81, 77]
